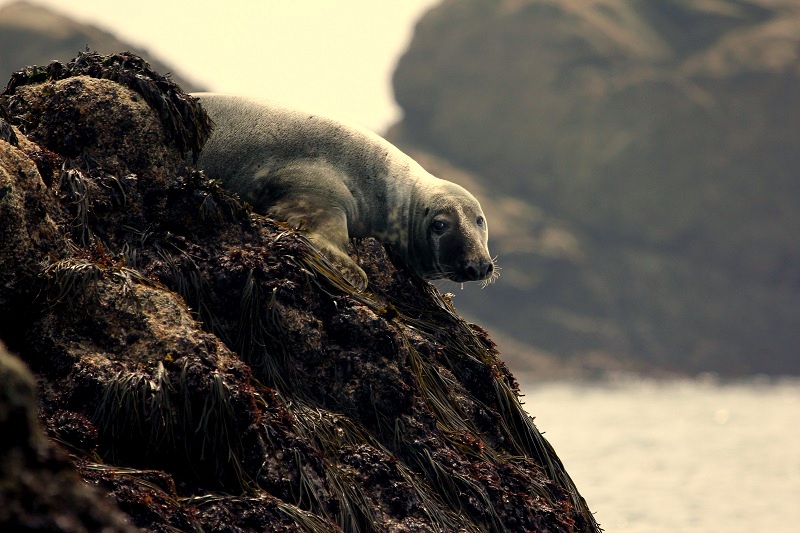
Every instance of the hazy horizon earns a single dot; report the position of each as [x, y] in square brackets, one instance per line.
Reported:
[335, 57]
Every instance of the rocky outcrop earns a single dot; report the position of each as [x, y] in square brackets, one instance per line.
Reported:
[39, 489]
[207, 368]
[658, 140]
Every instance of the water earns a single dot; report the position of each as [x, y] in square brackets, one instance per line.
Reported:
[678, 456]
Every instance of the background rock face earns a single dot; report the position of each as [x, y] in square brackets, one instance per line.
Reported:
[33, 35]
[653, 151]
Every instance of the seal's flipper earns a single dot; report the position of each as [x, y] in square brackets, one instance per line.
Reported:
[329, 235]
[342, 261]
[326, 228]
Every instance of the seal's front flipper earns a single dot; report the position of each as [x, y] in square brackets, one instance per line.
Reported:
[327, 231]
[341, 260]
[316, 203]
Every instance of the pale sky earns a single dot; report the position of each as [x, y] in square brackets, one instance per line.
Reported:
[336, 56]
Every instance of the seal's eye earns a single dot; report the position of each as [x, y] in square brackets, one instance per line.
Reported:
[438, 226]
[480, 221]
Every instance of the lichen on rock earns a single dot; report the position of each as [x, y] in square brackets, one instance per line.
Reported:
[207, 368]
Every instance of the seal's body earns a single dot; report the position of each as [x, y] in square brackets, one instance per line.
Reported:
[338, 182]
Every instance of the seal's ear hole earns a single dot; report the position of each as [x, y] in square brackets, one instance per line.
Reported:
[427, 210]
[438, 226]
[480, 221]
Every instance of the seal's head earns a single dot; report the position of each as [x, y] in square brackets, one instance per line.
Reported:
[455, 233]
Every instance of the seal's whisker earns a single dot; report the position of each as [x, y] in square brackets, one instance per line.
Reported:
[494, 275]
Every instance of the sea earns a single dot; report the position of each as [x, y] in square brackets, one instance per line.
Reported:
[688, 455]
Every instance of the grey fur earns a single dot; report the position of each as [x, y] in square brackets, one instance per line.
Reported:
[337, 181]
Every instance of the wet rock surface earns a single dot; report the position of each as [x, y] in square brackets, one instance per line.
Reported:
[39, 488]
[207, 369]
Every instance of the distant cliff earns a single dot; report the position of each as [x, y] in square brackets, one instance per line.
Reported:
[641, 159]
[206, 368]
[34, 35]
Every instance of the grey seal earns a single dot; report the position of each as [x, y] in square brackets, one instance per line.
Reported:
[337, 182]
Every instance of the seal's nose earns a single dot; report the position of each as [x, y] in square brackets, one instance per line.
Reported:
[480, 271]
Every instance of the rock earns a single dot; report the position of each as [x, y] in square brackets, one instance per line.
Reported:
[39, 489]
[661, 136]
[207, 368]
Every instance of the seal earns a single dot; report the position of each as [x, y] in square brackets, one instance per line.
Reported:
[338, 182]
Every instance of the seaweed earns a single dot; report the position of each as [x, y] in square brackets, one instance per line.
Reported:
[187, 125]
[219, 348]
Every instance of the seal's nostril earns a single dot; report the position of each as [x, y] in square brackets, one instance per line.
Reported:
[480, 271]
